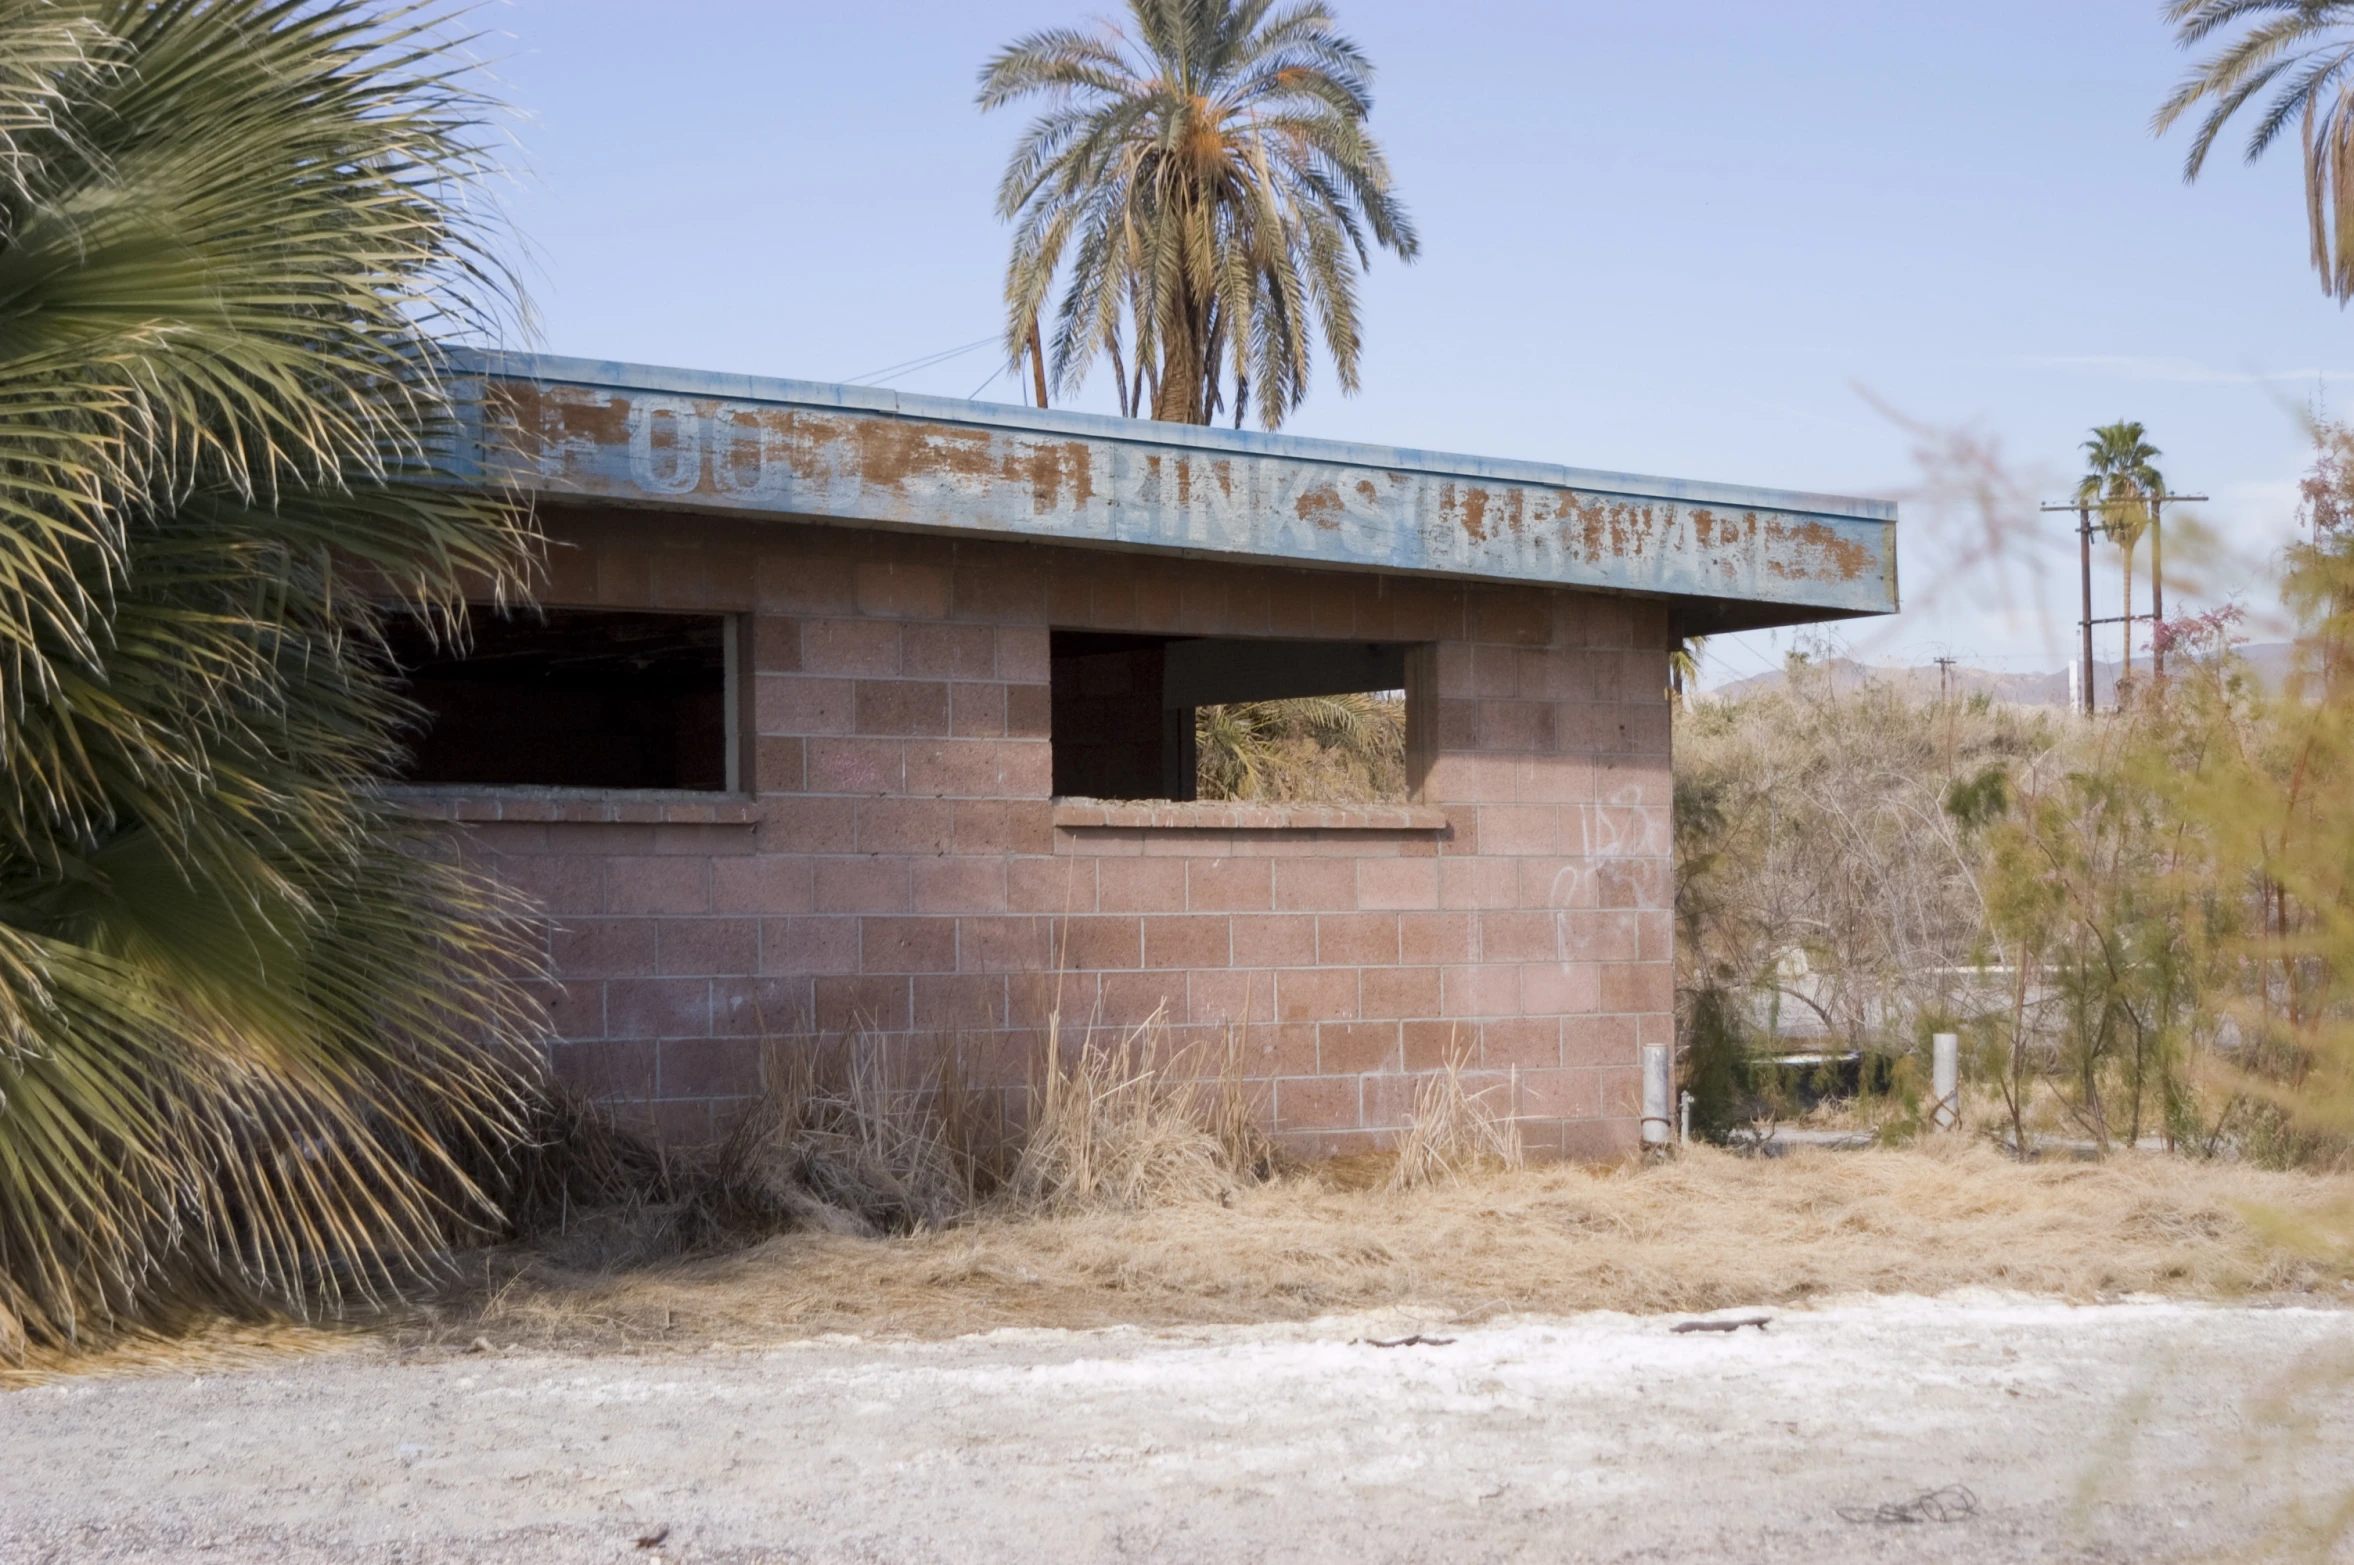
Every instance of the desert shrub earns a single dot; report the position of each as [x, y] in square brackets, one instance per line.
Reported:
[1823, 886]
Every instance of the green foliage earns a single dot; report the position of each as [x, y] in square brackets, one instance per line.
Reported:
[1715, 1045]
[2120, 479]
[1320, 749]
[1207, 174]
[253, 1033]
[1977, 802]
[2297, 55]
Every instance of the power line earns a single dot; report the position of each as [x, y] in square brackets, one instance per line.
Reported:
[2084, 506]
[893, 371]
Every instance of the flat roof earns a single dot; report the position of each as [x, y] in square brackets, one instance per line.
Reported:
[687, 440]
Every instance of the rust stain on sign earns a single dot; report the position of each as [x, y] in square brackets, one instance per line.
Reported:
[1475, 514]
[1322, 506]
[1847, 558]
[822, 453]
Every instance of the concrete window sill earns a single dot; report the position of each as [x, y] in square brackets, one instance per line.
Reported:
[617, 806]
[1151, 815]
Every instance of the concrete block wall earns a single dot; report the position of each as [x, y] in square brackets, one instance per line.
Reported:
[895, 858]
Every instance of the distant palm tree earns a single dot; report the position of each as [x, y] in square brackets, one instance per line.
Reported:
[1207, 174]
[2120, 480]
[2301, 54]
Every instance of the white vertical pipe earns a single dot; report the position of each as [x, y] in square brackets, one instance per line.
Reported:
[1657, 1127]
[1945, 1074]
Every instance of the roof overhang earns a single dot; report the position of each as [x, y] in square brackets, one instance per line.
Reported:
[1733, 558]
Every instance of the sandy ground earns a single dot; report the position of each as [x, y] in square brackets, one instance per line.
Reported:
[2133, 1431]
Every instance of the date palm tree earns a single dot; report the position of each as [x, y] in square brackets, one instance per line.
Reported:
[252, 1033]
[2297, 57]
[2120, 479]
[1206, 174]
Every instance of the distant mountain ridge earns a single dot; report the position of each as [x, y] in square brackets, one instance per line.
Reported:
[2268, 660]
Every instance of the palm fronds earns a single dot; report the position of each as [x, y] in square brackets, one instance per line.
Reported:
[2298, 57]
[251, 1031]
[1322, 749]
[1206, 175]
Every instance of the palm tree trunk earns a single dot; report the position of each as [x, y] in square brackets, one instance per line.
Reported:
[1179, 400]
[1037, 362]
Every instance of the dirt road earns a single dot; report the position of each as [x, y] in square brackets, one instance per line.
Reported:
[2104, 1433]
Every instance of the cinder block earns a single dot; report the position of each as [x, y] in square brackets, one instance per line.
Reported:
[1316, 1103]
[762, 883]
[1141, 885]
[1316, 994]
[1402, 884]
[957, 885]
[1529, 1042]
[1480, 991]
[922, 826]
[1187, 941]
[867, 1002]
[708, 946]
[1275, 940]
[1316, 884]
[1230, 885]
[658, 1007]
[907, 945]
[867, 648]
[1348, 1048]
[863, 885]
[870, 766]
[910, 707]
[1400, 993]
[1561, 988]
[1357, 939]
[948, 651]
[659, 884]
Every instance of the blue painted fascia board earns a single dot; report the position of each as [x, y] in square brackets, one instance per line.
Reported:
[617, 376]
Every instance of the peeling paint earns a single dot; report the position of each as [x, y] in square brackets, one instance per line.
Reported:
[793, 449]
[1321, 507]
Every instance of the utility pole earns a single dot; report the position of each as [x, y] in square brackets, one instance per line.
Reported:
[1945, 700]
[2084, 510]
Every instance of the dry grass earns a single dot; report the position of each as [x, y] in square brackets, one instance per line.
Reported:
[219, 1348]
[1453, 1132]
[1126, 1126]
[1706, 1231]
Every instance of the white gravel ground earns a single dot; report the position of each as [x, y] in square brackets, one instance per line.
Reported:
[2118, 1432]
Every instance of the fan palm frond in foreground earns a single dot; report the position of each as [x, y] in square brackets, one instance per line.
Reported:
[251, 1032]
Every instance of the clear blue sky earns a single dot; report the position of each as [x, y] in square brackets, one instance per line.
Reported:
[1675, 239]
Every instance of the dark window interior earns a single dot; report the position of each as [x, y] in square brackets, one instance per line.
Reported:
[1123, 707]
[572, 698]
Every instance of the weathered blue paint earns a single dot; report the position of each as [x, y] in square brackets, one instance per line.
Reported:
[851, 454]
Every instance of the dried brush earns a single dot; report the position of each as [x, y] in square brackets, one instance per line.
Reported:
[1453, 1131]
[1121, 1125]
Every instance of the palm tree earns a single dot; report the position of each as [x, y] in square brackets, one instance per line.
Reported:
[1207, 174]
[2120, 480]
[2300, 53]
[1320, 749]
[252, 1033]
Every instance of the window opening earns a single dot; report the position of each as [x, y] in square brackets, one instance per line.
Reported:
[573, 698]
[1182, 718]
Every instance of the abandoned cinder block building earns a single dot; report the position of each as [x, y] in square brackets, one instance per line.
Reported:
[853, 709]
